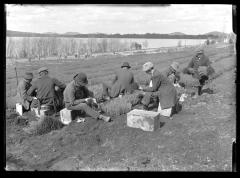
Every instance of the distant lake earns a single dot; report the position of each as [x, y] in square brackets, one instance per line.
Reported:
[157, 43]
[151, 43]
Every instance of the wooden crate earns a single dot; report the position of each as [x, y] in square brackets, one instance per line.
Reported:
[145, 120]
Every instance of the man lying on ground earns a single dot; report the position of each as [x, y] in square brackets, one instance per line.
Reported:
[77, 97]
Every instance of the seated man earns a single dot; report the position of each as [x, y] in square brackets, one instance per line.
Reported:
[200, 68]
[77, 95]
[122, 83]
[161, 88]
[45, 87]
[172, 72]
[22, 89]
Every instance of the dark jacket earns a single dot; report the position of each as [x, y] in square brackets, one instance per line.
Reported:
[24, 98]
[72, 93]
[45, 87]
[122, 83]
[164, 89]
[196, 61]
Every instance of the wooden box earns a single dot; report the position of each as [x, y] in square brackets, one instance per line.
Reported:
[145, 120]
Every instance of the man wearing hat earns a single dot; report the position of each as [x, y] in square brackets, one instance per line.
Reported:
[123, 83]
[172, 72]
[77, 96]
[161, 88]
[200, 68]
[22, 89]
[45, 87]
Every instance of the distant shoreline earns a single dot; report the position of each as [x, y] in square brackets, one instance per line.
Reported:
[10, 33]
[173, 37]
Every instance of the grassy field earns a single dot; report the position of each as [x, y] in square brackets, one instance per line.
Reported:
[197, 139]
[102, 68]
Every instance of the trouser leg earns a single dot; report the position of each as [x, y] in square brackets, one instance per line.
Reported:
[202, 81]
[84, 107]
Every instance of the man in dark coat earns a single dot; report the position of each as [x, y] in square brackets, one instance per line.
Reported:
[22, 89]
[161, 88]
[122, 83]
[77, 97]
[200, 68]
[45, 87]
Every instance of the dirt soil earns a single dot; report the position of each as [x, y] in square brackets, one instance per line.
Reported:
[199, 138]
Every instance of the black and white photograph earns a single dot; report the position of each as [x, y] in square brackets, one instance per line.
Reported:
[120, 87]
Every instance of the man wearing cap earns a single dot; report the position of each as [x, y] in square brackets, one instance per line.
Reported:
[172, 72]
[45, 87]
[123, 83]
[22, 89]
[77, 96]
[200, 68]
[161, 88]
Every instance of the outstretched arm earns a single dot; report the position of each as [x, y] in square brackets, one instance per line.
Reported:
[73, 100]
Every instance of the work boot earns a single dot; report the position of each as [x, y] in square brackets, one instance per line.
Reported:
[105, 118]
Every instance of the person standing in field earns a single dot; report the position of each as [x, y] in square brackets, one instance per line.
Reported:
[45, 87]
[22, 89]
[200, 68]
[161, 88]
[122, 83]
[77, 96]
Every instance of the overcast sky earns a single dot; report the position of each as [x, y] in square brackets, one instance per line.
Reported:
[189, 19]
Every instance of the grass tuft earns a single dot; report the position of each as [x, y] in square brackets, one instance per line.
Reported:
[43, 125]
[119, 106]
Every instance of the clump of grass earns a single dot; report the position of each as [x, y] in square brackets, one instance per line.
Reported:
[119, 106]
[43, 125]
[116, 107]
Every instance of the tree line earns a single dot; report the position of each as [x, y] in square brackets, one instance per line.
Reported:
[42, 47]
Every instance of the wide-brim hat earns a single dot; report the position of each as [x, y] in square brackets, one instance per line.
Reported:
[81, 79]
[175, 66]
[42, 69]
[28, 75]
[147, 66]
[126, 64]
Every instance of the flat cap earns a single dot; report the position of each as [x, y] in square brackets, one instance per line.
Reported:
[42, 69]
[147, 66]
